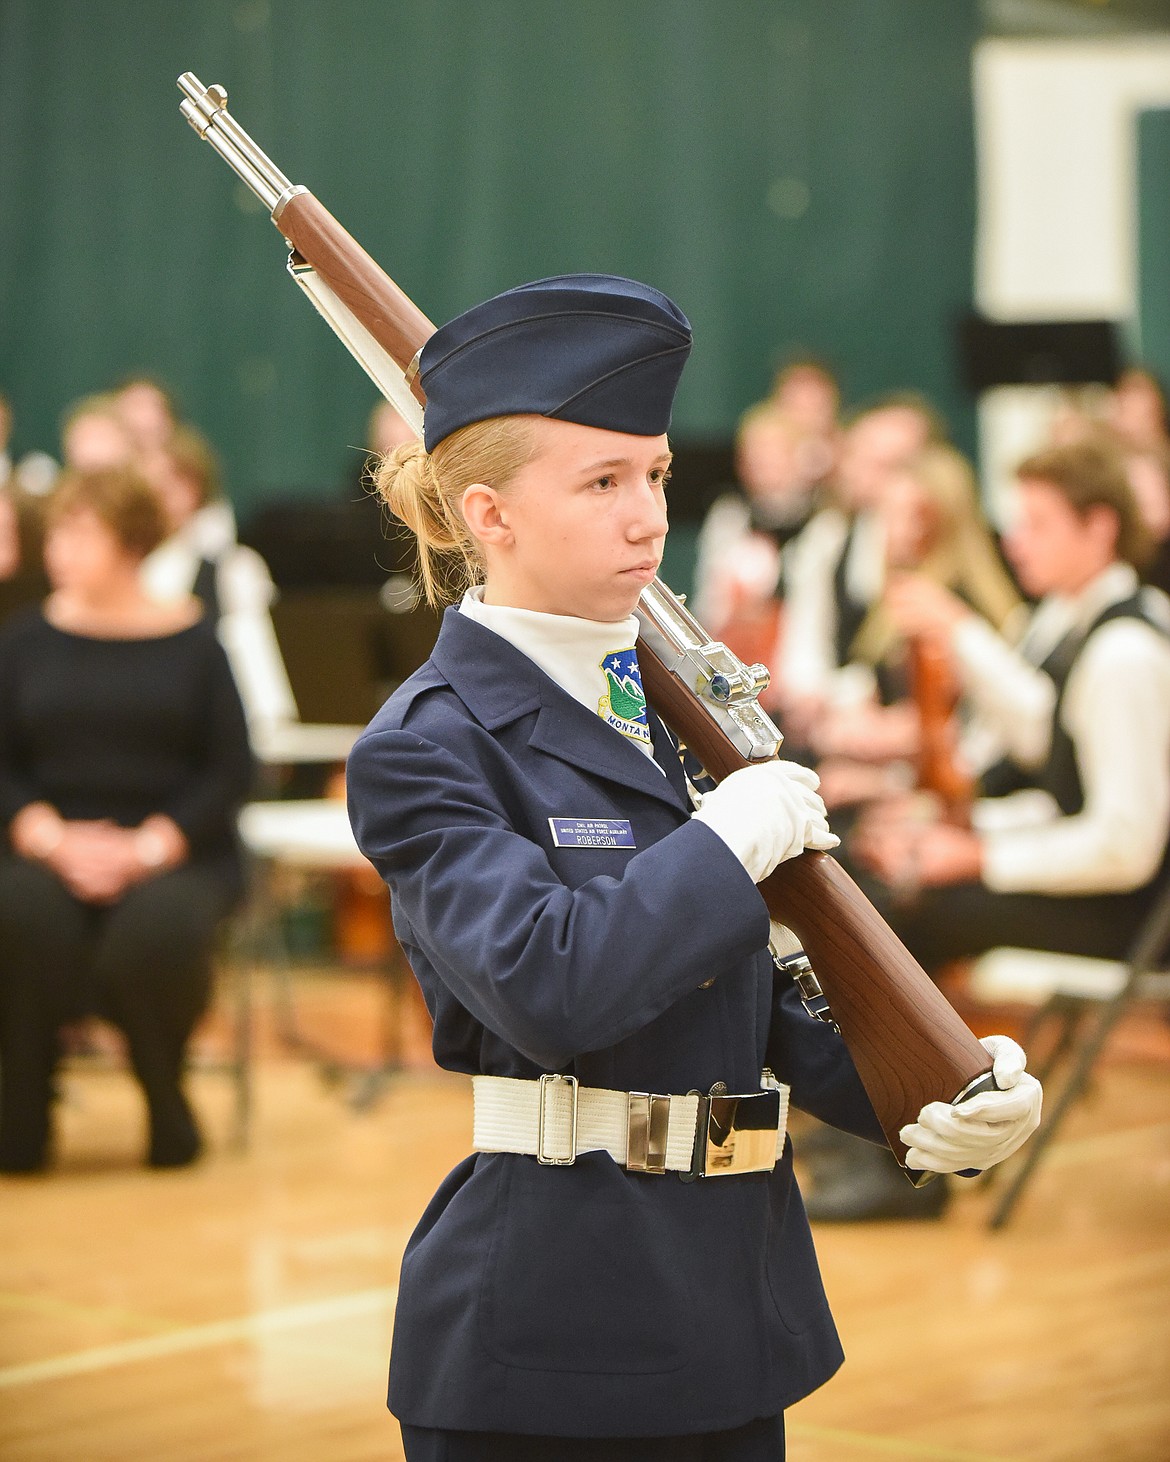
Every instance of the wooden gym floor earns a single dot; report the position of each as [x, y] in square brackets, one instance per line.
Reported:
[240, 1311]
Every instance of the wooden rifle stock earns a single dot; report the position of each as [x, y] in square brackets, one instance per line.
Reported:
[370, 295]
[908, 1044]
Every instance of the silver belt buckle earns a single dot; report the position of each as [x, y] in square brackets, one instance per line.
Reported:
[647, 1127]
[548, 1081]
[740, 1133]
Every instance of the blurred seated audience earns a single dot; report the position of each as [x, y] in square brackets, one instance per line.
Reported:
[835, 567]
[933, 530]
[200, 556]
[1069, 843]
[123, 761]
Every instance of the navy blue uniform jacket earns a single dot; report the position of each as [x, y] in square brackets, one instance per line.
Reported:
[585, 1300]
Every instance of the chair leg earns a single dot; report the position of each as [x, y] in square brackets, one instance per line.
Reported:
[244, 1042]
[1075, 1084]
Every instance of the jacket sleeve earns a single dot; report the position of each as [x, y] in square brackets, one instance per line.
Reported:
[812, 1058]
[553, 970]
[17, 790]
[205, 806]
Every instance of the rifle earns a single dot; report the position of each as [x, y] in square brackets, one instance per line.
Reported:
[908, 1044]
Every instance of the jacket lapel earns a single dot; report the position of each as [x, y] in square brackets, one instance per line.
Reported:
[499, 683]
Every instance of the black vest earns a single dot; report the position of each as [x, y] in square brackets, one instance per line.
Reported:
[1059, 775]
[206, 587]
[850, 614]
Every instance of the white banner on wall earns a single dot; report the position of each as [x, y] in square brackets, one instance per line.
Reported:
[1057, 176]
[1056, 238]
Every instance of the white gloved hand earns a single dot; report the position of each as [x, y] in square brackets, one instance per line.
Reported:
[768, 813]
[986, 1128]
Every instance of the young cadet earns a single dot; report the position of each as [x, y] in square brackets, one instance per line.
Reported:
[594, 955]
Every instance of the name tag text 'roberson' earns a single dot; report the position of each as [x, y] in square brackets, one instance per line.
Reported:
[591, 832]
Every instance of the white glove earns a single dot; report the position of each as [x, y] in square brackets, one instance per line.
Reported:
[768, 813]
[983, 1130]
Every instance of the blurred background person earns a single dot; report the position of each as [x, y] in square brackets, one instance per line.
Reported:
[1137, 410]
[32, 474]
[738, 586]
[147, 410]
[933, 530]
[806, 393]
[834, 568]
[785, 449]
[385, 430]
[23, 485]
[22, 576]
[1148, 470]
[94, 435]
[200, 556]
[123, 761]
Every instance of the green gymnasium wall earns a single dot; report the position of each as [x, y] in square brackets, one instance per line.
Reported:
[1154, 239]
[798, 174]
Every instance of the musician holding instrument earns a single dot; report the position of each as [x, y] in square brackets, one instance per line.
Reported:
[1070, 836]
[933, 533]
[1066, 842]
[625, 1259]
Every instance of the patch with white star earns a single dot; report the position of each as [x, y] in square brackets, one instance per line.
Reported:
[624, 705]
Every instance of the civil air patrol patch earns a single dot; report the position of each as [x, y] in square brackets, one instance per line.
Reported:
[624, 707]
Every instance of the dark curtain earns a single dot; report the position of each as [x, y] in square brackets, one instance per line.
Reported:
[798, 174]
[1153, 234]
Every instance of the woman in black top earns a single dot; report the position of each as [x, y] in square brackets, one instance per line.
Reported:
[123, 759]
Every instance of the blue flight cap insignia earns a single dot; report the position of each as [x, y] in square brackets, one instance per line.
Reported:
[595, 349]
[624, 705]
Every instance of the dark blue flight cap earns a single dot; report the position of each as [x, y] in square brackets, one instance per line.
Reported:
[591, 348]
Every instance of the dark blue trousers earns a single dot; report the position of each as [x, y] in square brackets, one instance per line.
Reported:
[759, 1441]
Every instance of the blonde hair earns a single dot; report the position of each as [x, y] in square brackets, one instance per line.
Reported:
[961, 556]
[425, 490]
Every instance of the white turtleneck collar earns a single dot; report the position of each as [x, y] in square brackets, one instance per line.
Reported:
[590, 660]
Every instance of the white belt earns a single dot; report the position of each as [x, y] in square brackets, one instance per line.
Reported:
[553, 1119]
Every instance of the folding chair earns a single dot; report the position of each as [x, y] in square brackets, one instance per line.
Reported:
[313, 834]
[1080, 1000]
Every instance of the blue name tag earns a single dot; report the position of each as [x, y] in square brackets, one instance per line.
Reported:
[591, 832]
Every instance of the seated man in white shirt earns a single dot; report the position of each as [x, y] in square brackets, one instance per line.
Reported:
[1070, 838]
[834, 568]
[1068, 852]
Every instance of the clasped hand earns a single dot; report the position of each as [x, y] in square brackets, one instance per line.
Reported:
[97, 861]
[985, 1129]
[768, 813]
[908, 852]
